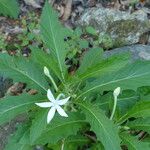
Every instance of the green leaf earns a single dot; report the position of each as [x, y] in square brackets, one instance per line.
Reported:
[45, 60]
[97, 146]
[91, 30]
[141, 109]
[129, 77]
[78, 32]
[9, 8]
[12, 106]
[83, 44]
[97, 68]
[53, 35]
[104, 128]
[140, 124]
[58, 129]
[39, 124]
[90, 58]
[71, 143]
[23, 70]
[133, 144]
[19, 140]
[126, 100]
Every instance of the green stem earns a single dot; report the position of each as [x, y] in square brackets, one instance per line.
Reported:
[60, 95]
[114, 108]
[63, 143]
[53, 82]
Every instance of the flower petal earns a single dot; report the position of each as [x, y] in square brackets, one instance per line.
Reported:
[44, 104]
[63, 101]
[61, 111]
[50, 96]
[51, 114]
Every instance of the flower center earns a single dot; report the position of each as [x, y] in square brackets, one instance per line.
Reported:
[55, 104]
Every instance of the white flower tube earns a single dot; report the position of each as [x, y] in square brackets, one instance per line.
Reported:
[115, 94]
[47, 73]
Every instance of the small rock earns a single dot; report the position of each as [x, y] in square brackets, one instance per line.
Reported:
[15, 30]
[26, 51]
[39, 148]
[145, 55]
[33, 3]
[122, 27]
[16, 89]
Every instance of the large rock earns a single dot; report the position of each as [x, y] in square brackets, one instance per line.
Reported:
[138, 51]
[121, 27]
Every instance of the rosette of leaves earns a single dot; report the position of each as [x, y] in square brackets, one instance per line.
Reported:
[90, 88]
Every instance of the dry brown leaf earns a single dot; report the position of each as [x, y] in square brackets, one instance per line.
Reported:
[32, 92]
[61, 10]
[67, 11]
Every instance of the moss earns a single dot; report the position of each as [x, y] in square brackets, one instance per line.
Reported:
[106, 41]
[119, 42]
[125, 27]
[122, 29]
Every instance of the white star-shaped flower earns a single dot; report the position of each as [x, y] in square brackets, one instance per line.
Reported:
[54, 105]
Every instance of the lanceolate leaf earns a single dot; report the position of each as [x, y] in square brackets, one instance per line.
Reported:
[75, 141]
[101, 67]
[141, 109]
[23, 70]
[11, 106]
[140, 124]
[126, 100]
[130, 77]
[91, 58]
[44, 59]
[9, 7]
[53, 35]
[71, 143]
[59, 128]
[104, 129]
[133, 144]
[39, 124]
[121, 101]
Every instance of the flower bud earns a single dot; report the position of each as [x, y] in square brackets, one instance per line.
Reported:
[46, 71]
[116, 92]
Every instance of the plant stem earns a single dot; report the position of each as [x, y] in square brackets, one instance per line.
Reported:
[63, 143]
[53, 82]
[114, 108]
